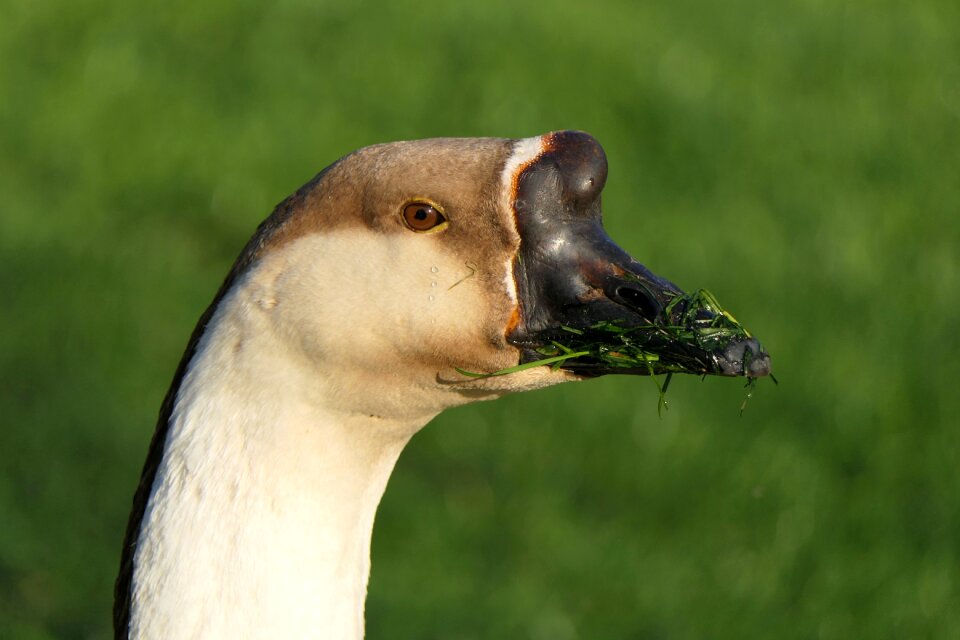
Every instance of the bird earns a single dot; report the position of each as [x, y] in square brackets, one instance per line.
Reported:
[347, 323]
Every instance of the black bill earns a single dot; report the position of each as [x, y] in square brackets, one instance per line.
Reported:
[582, 294]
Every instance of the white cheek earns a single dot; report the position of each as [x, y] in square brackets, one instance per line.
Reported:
[365, 297]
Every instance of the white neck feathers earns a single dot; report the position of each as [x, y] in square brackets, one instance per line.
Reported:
[261, 514]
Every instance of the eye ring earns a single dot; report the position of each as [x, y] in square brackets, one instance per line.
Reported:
[422, 216]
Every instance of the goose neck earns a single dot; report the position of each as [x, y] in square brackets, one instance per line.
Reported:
[261, 514]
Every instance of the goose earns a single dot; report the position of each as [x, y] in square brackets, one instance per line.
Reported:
[346, 325]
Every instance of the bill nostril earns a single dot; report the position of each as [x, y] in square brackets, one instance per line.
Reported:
[583, 187]
[640, 301]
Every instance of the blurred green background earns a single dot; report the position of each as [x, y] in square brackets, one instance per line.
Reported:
[799, 158]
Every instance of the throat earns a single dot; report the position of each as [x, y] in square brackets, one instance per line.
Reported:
[261, 514]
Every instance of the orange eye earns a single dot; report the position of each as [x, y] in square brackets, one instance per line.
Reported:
[421, 216]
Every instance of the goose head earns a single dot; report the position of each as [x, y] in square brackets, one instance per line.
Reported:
[404, 262]
[343, 328]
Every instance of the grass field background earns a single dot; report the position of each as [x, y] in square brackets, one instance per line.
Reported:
[801, 159]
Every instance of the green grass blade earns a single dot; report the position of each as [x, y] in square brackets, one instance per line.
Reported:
[523, 367]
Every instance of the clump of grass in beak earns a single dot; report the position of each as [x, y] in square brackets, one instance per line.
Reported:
[698, 329]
